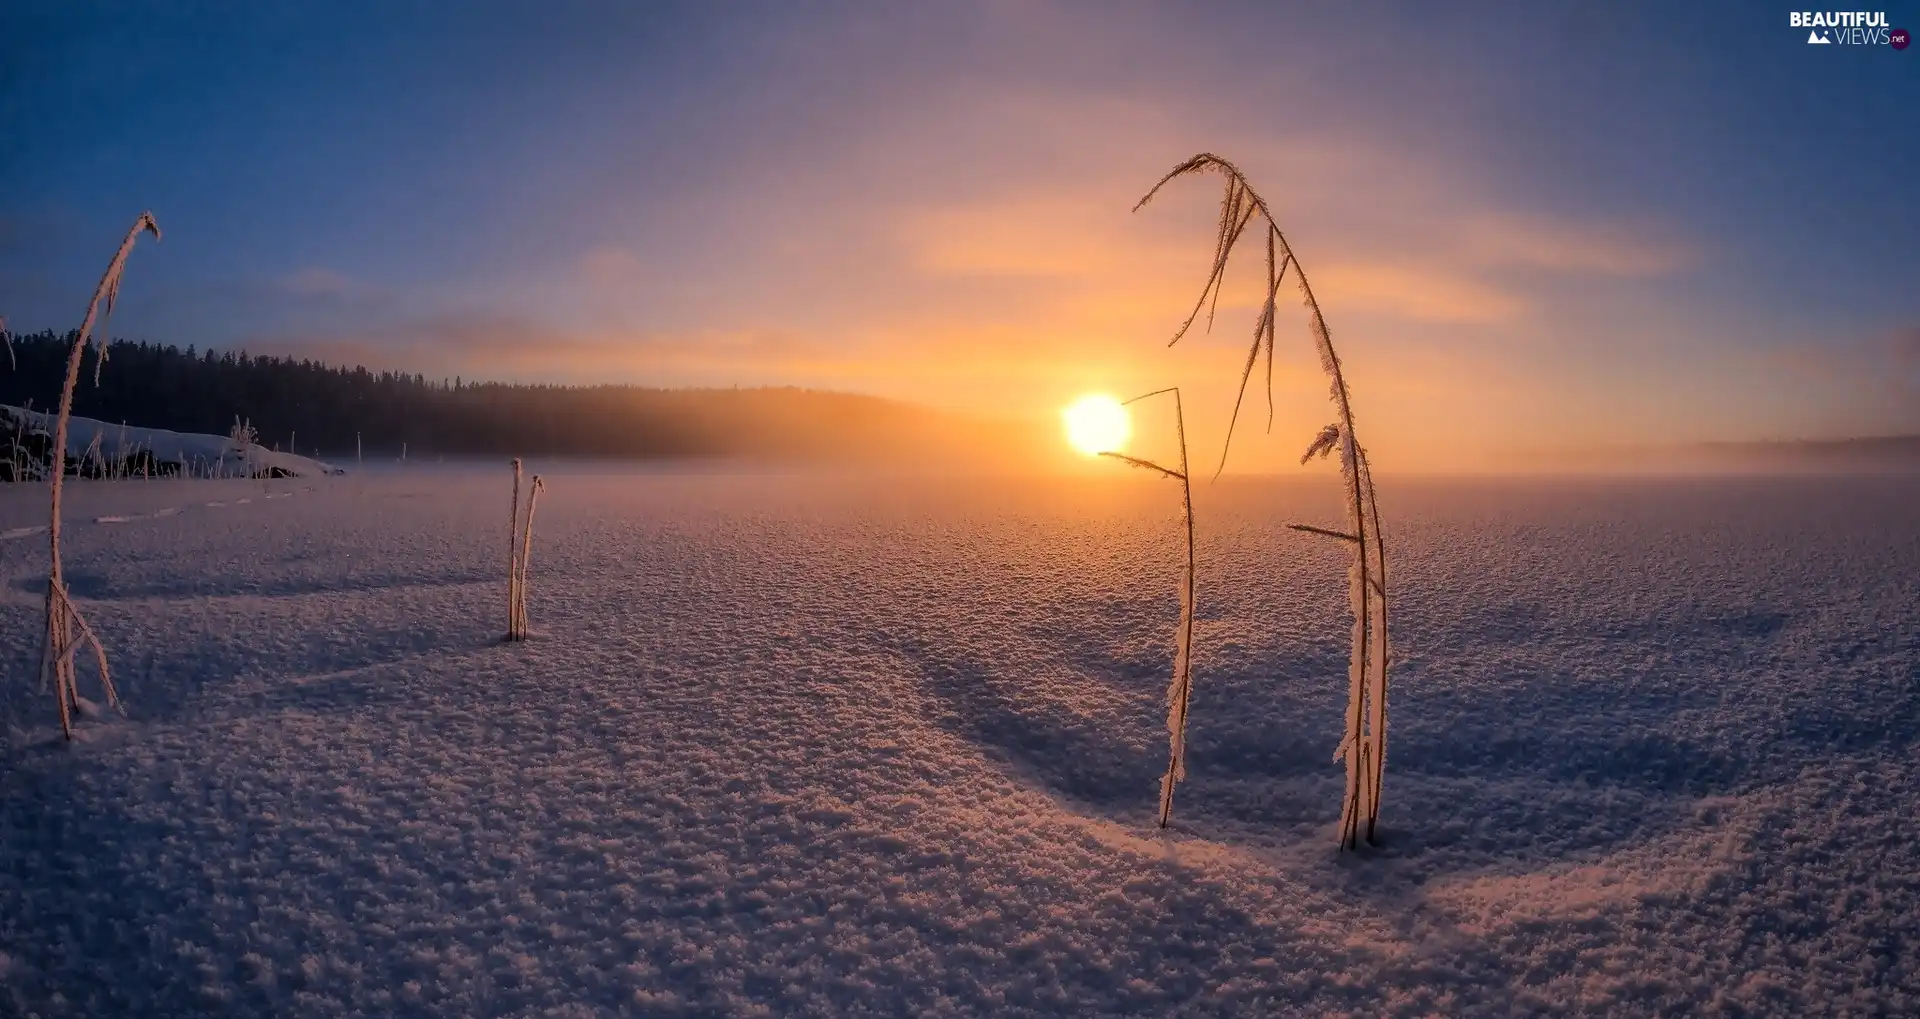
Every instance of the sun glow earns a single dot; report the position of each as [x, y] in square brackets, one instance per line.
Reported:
[1097, 423]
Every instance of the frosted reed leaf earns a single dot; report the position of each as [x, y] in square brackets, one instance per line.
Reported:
[1322, 444]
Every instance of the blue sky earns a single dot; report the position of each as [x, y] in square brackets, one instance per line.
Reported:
[1531, 225]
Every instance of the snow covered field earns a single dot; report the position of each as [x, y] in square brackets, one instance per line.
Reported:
[834, 746]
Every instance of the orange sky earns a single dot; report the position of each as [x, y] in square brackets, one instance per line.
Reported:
[1472, 325]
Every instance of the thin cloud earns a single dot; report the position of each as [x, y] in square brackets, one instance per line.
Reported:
[318, 281]
[1561, 246]
[1868, 384]
[610, 266]
[1378, 239]
[506, 348]
[1415, 292]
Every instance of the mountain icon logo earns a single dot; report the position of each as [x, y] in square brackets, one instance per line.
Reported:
[1819, 38]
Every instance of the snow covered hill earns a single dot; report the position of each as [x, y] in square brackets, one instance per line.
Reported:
[110, 448]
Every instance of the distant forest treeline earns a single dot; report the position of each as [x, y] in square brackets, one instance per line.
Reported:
[323, 407]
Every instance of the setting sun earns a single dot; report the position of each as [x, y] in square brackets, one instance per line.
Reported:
[1097, 423]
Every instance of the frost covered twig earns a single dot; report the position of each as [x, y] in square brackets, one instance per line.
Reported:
[245, 438]
[513, 554]
[519, 555]
[1180, 690]
[57, 651]
[526, 551]
[1366, 582]
[1310, 529]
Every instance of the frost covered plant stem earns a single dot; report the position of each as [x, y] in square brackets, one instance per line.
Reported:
[65, 627]
[1363, 745]
[513, 558]
[519, 554]
[1180, 690]
[526, 551]
[244, 437]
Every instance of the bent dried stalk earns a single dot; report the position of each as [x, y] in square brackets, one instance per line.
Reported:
[63, 618]
[1363, 745]
[1180, 690]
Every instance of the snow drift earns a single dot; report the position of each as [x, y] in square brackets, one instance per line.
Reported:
[106, 449]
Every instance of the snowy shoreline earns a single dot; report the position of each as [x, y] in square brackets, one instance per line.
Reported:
[183, 453]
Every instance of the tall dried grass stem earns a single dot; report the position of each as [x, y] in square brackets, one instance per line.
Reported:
[1363, 745]
[1180, 689]
[62, 616]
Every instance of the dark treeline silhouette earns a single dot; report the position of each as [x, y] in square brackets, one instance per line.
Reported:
[322, 407]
